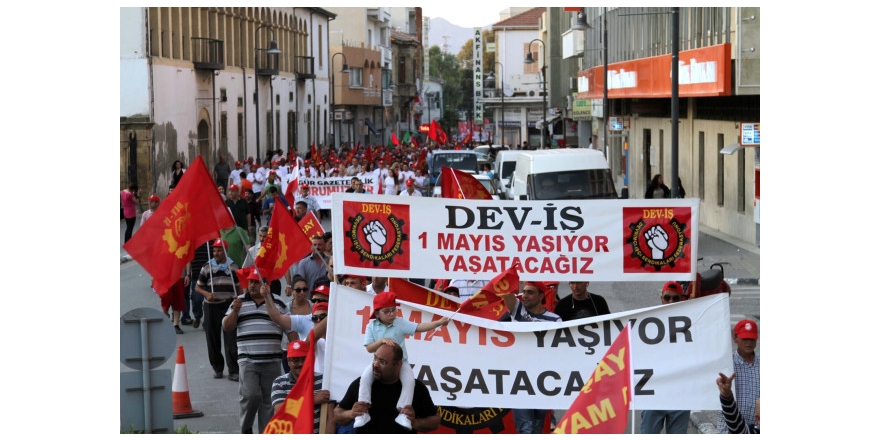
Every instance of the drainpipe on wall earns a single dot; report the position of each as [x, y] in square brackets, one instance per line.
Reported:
[244, 82]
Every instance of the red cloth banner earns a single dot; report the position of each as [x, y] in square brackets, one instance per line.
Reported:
[191, 215]
[489, 301]
[603, 403]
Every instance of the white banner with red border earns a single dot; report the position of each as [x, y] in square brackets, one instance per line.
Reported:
[560, 240]
[323, 188]
[677, 352]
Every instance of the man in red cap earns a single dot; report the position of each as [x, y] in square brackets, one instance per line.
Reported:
[530, 309]
[235, 176]
[747, 366]
[259, 350]
[410, 190]
[239, 207]
[297, 351]
[154, 204]
[217, 284]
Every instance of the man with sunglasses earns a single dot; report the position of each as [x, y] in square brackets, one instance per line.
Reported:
[675, 421]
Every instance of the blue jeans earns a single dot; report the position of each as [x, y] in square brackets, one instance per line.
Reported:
[529, 421]
[676, 421]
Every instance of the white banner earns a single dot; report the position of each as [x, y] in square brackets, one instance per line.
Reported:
[560, 240]
[677, 352]
[322, 188]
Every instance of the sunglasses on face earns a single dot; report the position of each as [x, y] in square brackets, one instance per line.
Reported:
[675, 298]
[318, 318]
[300, 289]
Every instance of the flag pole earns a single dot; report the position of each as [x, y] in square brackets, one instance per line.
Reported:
[631, 376]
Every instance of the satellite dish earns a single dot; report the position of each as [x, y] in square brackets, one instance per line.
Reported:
[508, 90]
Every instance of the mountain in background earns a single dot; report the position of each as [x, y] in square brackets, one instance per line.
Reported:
[457, 36]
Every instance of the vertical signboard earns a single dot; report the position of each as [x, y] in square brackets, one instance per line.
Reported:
[478, 77]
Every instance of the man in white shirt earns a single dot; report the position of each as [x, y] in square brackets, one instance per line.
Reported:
[410, 190]
[467, 288]
[235, 176]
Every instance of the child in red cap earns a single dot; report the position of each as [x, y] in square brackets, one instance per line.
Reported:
[387, 328]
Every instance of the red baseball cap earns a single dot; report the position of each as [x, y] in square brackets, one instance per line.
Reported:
[410, 182]
[746, 329]
[304, 186]
[321, 290]
[238, 162]
[384, 300]
[220, 243]
[297, 349]
[538, 285]
[233, 187]
[154, 198]
[673, 286]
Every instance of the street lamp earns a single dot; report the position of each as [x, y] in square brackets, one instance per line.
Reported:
[272, 50]
[530, 60]
[502, 101]
[333, 90]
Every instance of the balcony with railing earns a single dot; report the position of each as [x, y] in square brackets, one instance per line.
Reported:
[267, 63]
[304, 67]
[207, 53]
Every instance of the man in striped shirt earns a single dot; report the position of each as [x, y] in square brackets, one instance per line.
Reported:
[216, 285]
[259, 351]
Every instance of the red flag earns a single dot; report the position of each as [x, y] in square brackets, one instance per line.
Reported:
[469, 138]
[314, 153]
[489, 301]
[420, 163]
[291, 187]
[432, 130]
[191, 215]
[394, 140]
[457, 184]
[283, 246]
[242, 276]
[297, 413]
[415, 142]
[310, 226]
[441, 135]
[603, 403]
[415, 293]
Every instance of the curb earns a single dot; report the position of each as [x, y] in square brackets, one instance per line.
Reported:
[743, 281]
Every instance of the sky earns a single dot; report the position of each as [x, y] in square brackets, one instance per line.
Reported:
[474, 15]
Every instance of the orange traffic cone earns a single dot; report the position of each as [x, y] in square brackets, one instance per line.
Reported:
[180, 390]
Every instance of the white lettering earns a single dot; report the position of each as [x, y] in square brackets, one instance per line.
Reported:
[696, 72]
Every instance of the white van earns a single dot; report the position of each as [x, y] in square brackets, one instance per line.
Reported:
[505, 163]
[565, 173]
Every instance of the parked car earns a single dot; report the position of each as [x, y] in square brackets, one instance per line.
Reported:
[565, 173]
[459, 159]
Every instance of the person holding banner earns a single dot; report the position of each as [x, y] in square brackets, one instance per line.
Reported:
[386, 328]
[747, 368]
[675, 421]
[581, 303]
[388, 361]
[530, 309]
